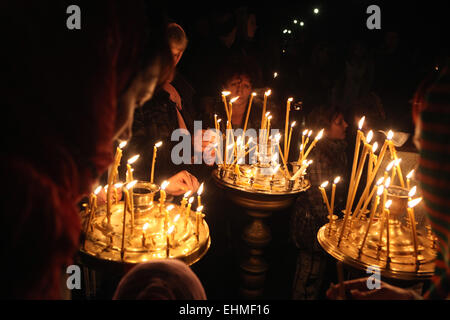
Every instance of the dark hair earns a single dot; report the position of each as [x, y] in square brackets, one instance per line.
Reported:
[239, 66]
[322, 117]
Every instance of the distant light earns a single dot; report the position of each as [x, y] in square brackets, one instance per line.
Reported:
[302, 23]
[437, 68]
[275, 74]
[316, 11]
[284, 51]
[285, 31]
[295, 21]
[289, 31]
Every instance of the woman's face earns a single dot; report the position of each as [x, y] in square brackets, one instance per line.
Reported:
[139, 92]
[177, 51]
[338, 128]
[241, 86]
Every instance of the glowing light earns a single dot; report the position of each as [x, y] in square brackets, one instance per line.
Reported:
[118, 185]
[200, 189]
[172, 227]
[390, 165]
[375, 147]
[295, 21]
[310, 133]
[410, 174]
[387, 182]
[324, 185]
[302, 23]
[97, 190]
[234, 99]
[158, 144]
[380, 190]
[278, 137]
[145, 227]
[380, 181]
[293, 124]
[131, 184]
[361, 122]
[369, 136]
[316, 11]
[133, 159]
[414, 202]
[319, 135]
[275, 74]
[187, 194]
[276, 168]
[268, 93]
[336, 180]
[177, 217]
[226, 93]
[305, 132]
[191, 199]
[123, 144]
[170, 207]
[199, 209]
[291, 99]
[164, 185]
[388, 204]
[390, 135]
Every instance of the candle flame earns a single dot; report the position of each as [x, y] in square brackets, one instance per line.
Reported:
[275, 74]
[397, 162]
[361, 122]
[172, 227]
[305, 132]
[369, 136]
[310, 133]
[301, 147]
[218, 121]
[97, 190]
[410, 174]
[187, 194]
[200, 189]
[226, 93]
[380, 190]
[375, 147]
[234, 99]
[414, 202]
[170, 207]
[106, 187]
[254, 94]
[336, 180]
[390, 135]
[133, 159]
[380, 181]
[164, 185]
[390, 165]
[267, 114]
[158, 144]
[293, 124]
[268, 92]
[269, 117]
[309, 162]
[387, 182]
[319, 135]
[291, 99]
[131, 184]
[388, 204]
[412, 192]
[123, 144]
[199, 209]
[177, 217]
[191, 199]
[118, 185]
[324, 185]
[145, 227]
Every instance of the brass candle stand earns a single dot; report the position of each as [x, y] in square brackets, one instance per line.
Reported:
[259, 195]
[146, 236]
[362, 248]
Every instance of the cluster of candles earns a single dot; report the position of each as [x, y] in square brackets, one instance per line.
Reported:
[128, 205]
[392, 171]
[241, 149]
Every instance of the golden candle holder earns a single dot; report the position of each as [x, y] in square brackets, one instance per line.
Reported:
[259, 195]
[146, 239]
[361, 253]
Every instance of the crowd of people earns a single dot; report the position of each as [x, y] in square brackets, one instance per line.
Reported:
[133, 74]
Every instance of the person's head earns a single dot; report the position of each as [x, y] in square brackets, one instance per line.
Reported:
[331, 119]
[224, 26]
[178, 41]
[239, 77]
[160, 280]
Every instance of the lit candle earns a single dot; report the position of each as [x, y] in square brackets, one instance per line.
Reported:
[324, 196]
[268, 117]
[169, 232]
[357, 177]
[359, 138]
[277, 139]
[289, 140]
[199, 193]
[197, 221]
[302, 146]
[111, 178]
[306, 143]
[394, 154]
[333, 191]
[408, 178]
[366, 203]
[125, 209]
[266, 95]
[412, 192]
[302, 169]
[92, 207]
[372, 160]
[232, 100]
[188, 211]
[412, 219]
[116, 186]
[155, 149]
[316, 139]
[286, 124]
[185, 200]
[396, 163]
[224, 99]
[129, 169]
[162, 194]
[144, 229]
[129, 190]
[372, 214]
[248, 111]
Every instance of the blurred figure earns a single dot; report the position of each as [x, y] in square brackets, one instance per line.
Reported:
[167, 279]
[310, 213]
